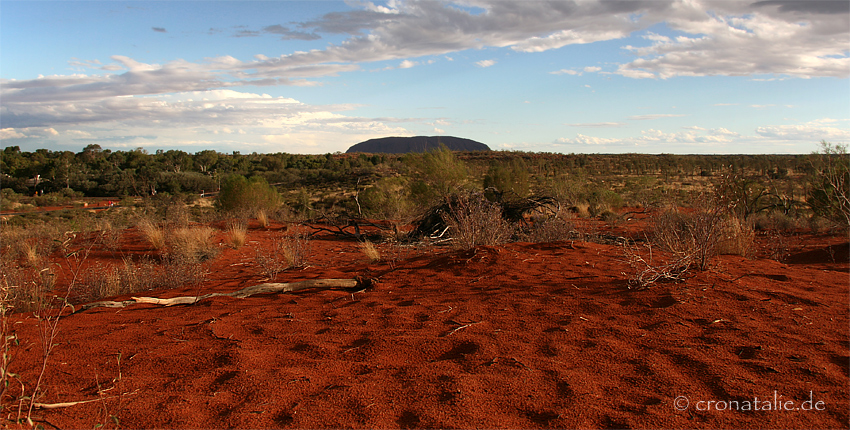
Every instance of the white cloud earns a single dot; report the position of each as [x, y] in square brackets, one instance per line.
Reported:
[77, 133]
[813, 131]
[598, 124]
[787, 138]
[11, 133]
[565, 72]
[592, 69]
[566, 37]
[654, 116]
[581, 139]
[736, 39]
[485, 63]
[406, 64]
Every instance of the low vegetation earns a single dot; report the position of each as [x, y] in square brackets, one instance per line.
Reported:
[702, 206]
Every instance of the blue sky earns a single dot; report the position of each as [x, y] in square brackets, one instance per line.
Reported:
[651, 76]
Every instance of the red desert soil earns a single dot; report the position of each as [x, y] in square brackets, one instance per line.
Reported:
[517, 336]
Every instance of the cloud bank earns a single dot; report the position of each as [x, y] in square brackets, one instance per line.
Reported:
[797, 39]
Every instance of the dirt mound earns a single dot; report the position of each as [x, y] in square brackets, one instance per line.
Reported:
[838, 253]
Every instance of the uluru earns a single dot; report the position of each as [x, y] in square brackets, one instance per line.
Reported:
[401, 145]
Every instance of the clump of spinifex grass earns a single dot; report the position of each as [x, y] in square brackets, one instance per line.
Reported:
[370, 251]
[153, 233]
[237, 233]
[193, 244]
[263, 218]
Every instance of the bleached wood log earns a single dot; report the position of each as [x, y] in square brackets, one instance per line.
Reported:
[271, 287]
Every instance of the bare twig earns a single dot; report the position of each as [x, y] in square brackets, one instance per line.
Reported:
[456, 329]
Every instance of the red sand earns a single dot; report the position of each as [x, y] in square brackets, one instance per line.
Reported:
[517, 336]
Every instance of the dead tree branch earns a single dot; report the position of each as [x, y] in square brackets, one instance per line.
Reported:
[320, 284]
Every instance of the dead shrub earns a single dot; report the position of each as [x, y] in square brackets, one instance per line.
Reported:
[30, 245]
[24, 288]
[296, 248]
[649, 267]
[130, 276]
[284, 253]
[474, 221]
[108, 235]
[776, 221]
[690, 237]
[548, 229]
[179, 270]
[101, 281]
[177, 215]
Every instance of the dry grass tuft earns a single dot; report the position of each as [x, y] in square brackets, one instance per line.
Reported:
[263, 218]
[692, 237]
[370, 251]
[736, 238]
[193, 244]
[650, 268]
[153, 233]
[237, 233]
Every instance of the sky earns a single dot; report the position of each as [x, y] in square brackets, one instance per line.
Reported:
[314, 77]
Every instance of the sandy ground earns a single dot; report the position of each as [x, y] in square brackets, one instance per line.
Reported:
[516, 336]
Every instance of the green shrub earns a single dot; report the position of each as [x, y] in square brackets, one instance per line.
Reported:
[387, 199]
[510, 178]
[438, 174]
[251, 195]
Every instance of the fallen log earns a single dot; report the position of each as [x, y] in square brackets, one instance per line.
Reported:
[272, 287]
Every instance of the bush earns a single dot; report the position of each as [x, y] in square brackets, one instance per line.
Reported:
[439, 174]
[285, 252]
[250, 195]
[387, 199]
[152, 232]
[511, 178]
[736, 238]
[473, 221]
[692, 238]
[829, 196]
[549, 229]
